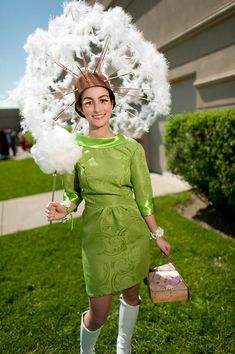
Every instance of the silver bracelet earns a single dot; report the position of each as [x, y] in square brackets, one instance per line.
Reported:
[158, 233]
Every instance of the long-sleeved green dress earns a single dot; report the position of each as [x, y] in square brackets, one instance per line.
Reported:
[113, 178]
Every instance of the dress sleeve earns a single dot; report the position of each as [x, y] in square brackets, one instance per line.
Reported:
[72, 190]
[141, 182]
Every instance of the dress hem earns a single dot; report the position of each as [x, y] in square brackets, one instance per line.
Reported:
[119, 290]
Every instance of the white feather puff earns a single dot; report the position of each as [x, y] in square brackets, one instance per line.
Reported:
[56, 150]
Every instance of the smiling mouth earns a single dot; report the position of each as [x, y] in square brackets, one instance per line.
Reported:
[99, 116]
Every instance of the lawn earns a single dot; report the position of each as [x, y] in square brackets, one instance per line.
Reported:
[42, 292]
[20, 178]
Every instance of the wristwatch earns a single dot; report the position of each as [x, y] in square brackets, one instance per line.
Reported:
[158, 233]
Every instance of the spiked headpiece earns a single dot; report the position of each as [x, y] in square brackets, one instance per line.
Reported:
[89, 79]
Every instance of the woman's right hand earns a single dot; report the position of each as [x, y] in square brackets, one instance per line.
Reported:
[55, 211]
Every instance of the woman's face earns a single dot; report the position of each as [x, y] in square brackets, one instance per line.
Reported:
[96, 106]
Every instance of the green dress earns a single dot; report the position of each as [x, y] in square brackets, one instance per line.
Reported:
[113, 178]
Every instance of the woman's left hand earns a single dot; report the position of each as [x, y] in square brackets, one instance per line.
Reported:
[163, 245]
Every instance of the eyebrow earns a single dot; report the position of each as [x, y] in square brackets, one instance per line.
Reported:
[90, 98]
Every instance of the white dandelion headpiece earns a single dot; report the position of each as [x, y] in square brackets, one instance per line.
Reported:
[80, 41]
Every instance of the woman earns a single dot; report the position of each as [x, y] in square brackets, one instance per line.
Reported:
[115, 226]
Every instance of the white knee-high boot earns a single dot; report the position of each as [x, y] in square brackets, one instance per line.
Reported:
[88, 338]
[127, 319]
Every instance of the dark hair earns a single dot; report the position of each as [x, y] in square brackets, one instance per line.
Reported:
[78, 103]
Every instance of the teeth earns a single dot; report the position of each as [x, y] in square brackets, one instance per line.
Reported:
[100, 116]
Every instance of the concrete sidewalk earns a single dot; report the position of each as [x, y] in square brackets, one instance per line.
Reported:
[28, 212]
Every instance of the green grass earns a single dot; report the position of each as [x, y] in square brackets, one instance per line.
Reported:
[20, 178]
[42, 292]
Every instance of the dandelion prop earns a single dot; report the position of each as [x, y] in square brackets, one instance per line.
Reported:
[88, 38]
[53, 188]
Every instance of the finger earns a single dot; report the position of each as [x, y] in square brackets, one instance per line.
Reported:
[166, 250]
[49, 212]
[50, 218]
[51, 208]
[55, 204]
[52, 204]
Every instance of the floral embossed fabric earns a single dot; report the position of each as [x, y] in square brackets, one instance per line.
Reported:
[113, 178]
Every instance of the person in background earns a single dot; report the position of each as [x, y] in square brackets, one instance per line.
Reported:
[4, 146]
[13, 142]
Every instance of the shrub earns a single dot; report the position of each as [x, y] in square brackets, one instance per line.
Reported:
[200, 147]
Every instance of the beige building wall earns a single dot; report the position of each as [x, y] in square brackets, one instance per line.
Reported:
[198, 39]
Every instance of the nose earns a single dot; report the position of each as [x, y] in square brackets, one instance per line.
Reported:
[96, 107]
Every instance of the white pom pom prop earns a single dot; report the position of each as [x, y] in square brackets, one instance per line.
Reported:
[56, 150]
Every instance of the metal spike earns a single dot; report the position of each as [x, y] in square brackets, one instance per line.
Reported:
[84, 60]
[129, 88]
[75, 127]
[55, 119]
[115, 77]
[82, 73]
[67, 92]
[102, 56]
[140, 97]
[129, 112]
[65, 68]
[112, 72]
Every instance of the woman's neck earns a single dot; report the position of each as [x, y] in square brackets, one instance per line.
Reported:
[101, 133]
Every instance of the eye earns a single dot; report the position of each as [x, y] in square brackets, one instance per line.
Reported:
[87, 103]
[105, 100]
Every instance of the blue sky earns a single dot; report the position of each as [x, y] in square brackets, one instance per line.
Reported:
[18, 19]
